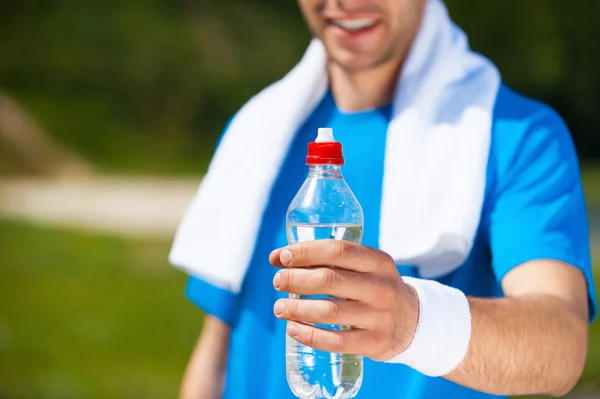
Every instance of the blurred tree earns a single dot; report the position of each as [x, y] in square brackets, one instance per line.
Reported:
[31, 149]
[148, 85]
[546, 50]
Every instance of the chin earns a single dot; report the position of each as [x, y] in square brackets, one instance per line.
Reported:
[354, 61]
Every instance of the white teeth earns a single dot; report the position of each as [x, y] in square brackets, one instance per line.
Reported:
[354, 24]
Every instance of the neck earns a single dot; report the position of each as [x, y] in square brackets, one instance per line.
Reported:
[364, 89]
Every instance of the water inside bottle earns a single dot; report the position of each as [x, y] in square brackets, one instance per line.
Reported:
[298, 232]
[311, 373]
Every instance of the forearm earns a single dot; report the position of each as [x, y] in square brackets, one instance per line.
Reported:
[532, 341]
[205, 372]
[523, 345]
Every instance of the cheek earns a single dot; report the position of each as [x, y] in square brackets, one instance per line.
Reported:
[407, 14]
[311, 11]
[404, 21]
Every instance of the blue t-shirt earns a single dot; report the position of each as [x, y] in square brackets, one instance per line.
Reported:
[533, 208]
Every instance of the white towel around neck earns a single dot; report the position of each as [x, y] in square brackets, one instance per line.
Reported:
[435, 160]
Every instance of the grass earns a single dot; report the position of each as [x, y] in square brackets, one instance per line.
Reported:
[90, 316]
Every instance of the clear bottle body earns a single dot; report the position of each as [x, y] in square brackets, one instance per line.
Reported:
[324, 208]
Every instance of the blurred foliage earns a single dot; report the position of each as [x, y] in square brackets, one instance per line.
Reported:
[590, 176]
[147, 86]
[141, 85]
[546, 50]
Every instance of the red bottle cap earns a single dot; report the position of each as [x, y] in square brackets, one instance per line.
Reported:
[325, 150]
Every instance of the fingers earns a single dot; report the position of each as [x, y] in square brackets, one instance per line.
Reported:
[339, 312]
[330, 281]
[339, 253]
[343, 342]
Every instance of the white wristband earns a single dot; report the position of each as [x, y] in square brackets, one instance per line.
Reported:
[443, 331]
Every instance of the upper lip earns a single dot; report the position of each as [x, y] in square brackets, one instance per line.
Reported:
[332, 16]
[344, 15]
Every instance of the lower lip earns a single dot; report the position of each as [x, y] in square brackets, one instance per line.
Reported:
[352, 34]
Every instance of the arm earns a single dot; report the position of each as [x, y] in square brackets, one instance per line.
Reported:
[534, 341]
[536, 211]
[205, 373]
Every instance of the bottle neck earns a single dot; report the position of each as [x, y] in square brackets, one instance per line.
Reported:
[325, 171]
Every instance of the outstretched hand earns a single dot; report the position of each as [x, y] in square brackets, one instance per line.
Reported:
[381, 309]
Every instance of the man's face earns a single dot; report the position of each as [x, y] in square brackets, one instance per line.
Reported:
[360, 34]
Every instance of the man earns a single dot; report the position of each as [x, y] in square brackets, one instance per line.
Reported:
[511, 319]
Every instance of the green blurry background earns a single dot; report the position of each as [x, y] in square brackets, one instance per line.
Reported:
[139, 91]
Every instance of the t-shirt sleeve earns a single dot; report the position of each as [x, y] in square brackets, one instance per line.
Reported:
[538, 208]
[211, 298]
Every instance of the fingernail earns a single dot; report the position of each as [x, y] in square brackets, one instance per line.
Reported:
[279, 307]
[286, 256]
[277, 281]
[293, 330]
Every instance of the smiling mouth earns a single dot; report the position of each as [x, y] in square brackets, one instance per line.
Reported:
[354, 25]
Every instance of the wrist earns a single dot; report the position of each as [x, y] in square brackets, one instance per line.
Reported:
[411, 317]
[442, 331]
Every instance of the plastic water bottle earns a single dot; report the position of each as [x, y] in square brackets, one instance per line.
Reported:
[323, 208]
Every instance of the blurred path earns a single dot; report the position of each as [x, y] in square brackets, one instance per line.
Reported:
[148, 207]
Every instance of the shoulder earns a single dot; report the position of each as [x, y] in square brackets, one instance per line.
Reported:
[516, 116]
[527, 134]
